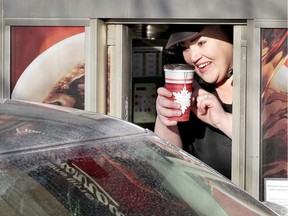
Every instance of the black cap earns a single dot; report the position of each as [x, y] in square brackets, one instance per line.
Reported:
[181, 36]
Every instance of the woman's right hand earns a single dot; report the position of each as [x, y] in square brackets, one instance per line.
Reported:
[166, 108]
[165, 128]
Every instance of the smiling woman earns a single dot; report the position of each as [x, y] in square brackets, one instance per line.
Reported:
[207, 135]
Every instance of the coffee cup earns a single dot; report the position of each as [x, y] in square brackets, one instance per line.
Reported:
[178, 80]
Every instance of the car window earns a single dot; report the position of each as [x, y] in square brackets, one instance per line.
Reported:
[74, 162]
[118, 176]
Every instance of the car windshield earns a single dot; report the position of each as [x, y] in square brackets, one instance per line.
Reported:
[103, 170]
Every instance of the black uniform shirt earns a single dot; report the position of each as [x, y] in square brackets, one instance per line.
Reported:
[208, 144]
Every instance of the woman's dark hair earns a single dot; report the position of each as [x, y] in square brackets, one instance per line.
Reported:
[229, 31]
[198, 27]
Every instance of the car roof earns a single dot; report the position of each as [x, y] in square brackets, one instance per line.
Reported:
[39, 125]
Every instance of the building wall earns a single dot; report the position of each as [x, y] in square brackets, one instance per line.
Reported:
[155, 9]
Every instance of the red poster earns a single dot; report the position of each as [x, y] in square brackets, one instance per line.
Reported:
[274, 103]
[47, 64]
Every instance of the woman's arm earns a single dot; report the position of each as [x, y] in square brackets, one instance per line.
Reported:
[169, 133]
[166, 108]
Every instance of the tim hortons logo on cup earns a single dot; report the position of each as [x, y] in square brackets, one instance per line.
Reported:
[183, 97]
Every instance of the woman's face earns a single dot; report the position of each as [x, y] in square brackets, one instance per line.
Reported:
[211, 54]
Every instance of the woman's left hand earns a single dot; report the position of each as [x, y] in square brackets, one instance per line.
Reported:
[208, 109]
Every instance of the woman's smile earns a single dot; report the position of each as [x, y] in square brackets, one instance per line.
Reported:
[204, 67]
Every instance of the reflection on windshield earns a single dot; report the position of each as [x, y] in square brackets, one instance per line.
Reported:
[117, 176]
[22, 195]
